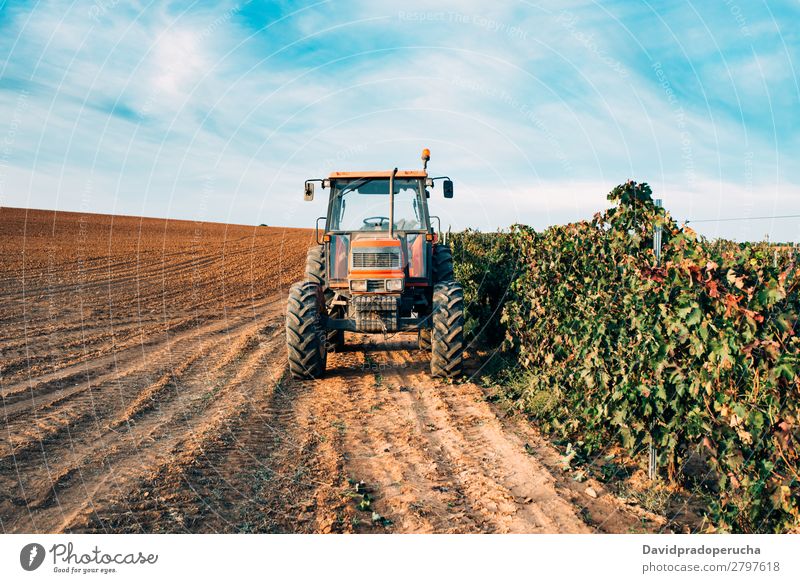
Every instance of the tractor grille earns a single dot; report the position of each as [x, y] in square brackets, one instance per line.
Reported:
[372, 260]
[376, 285]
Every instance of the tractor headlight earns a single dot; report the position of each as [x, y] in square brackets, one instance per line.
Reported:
[358, 285]
[394, 285]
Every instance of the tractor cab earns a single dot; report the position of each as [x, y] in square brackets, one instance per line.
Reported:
[373, 235]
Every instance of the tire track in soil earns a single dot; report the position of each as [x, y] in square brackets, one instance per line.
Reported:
[269, 454]
[101, 370]
[56, 400]
[387, 445]
[430, 469]
[101, 444]
[438, 457]
[269, 467]
[432, 457]
[197, 419]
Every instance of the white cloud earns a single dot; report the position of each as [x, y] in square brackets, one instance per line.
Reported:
[177, 62]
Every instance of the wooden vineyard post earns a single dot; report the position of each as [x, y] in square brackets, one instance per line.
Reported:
[652, 454]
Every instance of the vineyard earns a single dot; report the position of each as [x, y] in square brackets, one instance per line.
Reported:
[695, 355]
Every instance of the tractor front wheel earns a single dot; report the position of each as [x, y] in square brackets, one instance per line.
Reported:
[447, 335]
[305, 335]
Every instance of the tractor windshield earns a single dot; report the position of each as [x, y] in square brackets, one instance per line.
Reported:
[363, 205]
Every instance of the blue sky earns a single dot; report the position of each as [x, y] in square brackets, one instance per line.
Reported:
[217, 111]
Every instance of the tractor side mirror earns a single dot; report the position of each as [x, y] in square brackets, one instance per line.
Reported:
[309, 192]
[448, 188]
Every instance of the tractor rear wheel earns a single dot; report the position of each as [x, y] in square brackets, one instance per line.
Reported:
[305, 336]
[447, 335]
[442, 263]
[424, 339]
[315, 270]
[315, 264]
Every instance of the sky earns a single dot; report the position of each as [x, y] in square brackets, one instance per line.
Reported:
[215, 111]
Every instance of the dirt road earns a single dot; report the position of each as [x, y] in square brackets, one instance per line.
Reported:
[144, 389]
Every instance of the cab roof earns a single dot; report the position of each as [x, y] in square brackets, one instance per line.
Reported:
[380, 174]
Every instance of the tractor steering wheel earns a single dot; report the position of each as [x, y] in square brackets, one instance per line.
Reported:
[378, 221]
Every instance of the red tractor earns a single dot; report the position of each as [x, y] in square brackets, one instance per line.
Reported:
[378, 267]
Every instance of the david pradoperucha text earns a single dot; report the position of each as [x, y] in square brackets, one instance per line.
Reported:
[680, 551]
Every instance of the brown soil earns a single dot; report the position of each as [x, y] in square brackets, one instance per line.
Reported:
[144, 389]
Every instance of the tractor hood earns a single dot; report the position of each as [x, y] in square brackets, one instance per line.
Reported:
[375, 255]
[372, 254]
[376, 265]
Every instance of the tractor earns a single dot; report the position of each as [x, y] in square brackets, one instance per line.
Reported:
[378, 267]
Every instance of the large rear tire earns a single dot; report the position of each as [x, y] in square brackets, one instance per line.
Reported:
[315, 264]
[315, 271]
[447, 335]
[442, 263]
[305, 335]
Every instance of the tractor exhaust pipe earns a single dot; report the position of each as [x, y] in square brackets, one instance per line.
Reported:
[391, 204]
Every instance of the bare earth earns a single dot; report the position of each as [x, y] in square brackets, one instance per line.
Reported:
[144, 389]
